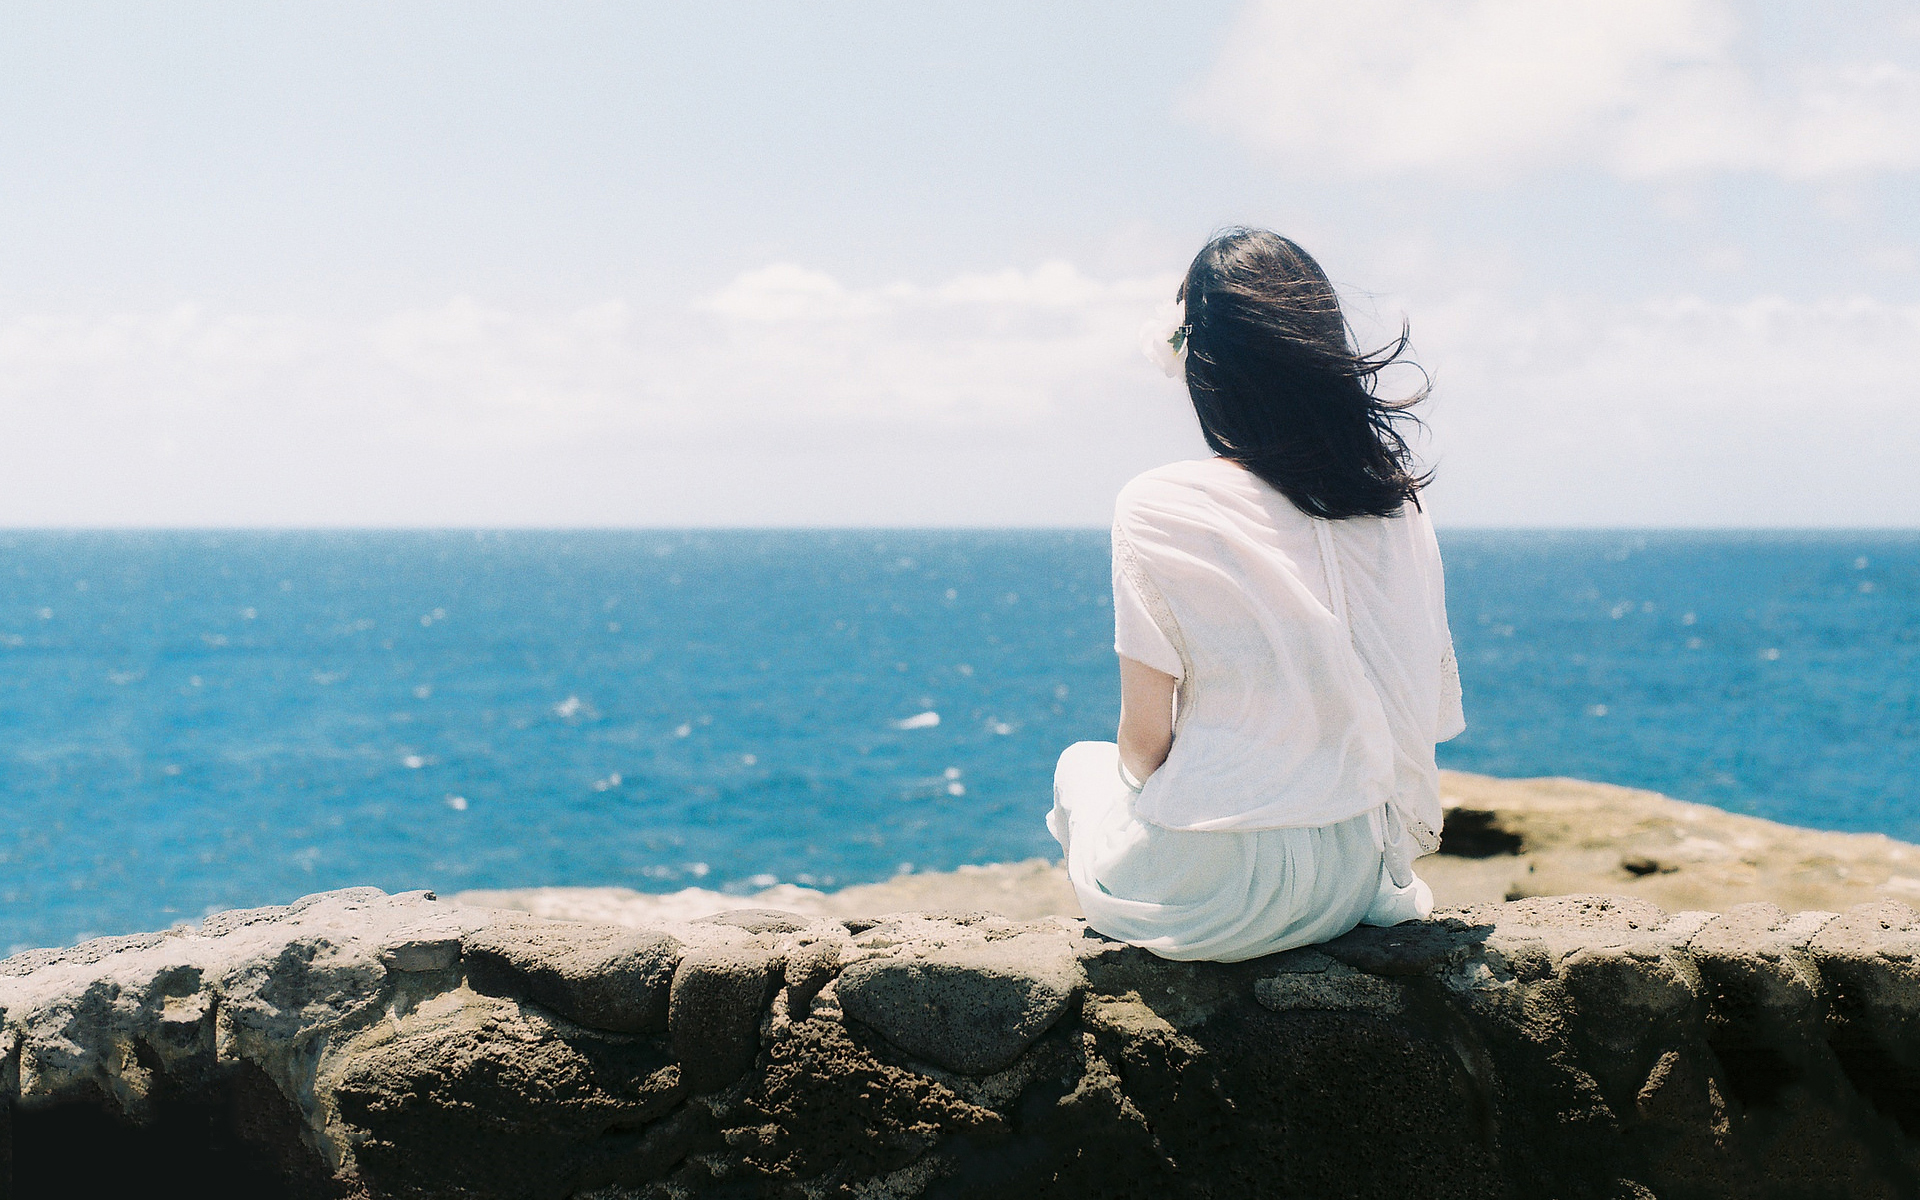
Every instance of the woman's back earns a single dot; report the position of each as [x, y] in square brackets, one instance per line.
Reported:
[1313, 656]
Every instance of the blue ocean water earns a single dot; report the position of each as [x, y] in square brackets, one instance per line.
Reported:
[195, 721]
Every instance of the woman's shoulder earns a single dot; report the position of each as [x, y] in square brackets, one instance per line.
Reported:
[1176, 483]
[1153, 502]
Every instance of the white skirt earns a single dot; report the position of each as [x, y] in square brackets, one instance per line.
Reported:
[1220, 896]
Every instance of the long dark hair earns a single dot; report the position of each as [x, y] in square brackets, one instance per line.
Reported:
[1279, 387]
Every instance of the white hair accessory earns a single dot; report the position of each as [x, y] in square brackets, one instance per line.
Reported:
[1164, 339]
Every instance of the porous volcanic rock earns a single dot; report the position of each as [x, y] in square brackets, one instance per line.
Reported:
[356, 1044]
[973, 1007]
[600, 976]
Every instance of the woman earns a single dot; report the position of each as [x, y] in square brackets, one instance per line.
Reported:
[1285, 662]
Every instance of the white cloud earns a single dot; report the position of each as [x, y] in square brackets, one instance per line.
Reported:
[1011, 347]
[463, 411]
[1015, 396]
[783, 292]
[1483, 89]
[1676, 411]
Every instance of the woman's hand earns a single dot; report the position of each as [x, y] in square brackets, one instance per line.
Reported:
[1146, 717]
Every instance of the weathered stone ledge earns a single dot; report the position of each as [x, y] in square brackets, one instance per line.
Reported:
[359, 1044]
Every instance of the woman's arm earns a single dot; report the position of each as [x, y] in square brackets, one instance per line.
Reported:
[1146, 717]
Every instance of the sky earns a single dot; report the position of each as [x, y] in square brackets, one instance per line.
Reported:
[856, 264]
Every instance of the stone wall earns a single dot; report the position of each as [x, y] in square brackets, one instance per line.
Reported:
[358, 1044]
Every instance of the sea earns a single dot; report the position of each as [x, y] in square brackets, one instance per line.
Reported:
[195, 721]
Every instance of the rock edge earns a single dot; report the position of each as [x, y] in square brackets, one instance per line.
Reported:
[360, 1044]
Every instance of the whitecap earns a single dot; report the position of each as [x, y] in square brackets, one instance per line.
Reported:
[925, 720]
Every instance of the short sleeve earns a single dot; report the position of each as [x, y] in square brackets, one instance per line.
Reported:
[1136, 634]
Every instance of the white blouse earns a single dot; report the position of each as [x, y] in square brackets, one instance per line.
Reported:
[1315, 666]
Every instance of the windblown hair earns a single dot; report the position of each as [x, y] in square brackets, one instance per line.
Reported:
[1279, 387]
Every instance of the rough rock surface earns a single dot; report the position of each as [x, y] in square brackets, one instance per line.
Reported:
[601, 976]
[359, 1044]
[1544, 837]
